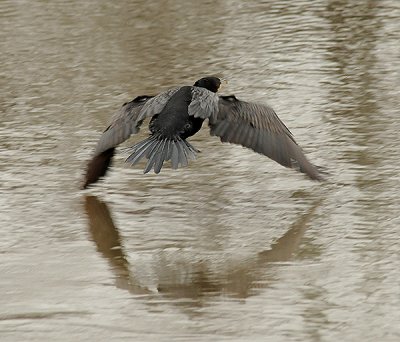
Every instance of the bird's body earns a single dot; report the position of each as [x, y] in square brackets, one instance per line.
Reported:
[178, 113]
[174, 120]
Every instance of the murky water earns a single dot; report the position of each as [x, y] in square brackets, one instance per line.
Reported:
[234, 247]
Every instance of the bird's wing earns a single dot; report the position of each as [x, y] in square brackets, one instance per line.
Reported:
[258, 127]
[156, 104]
[204, 103]
[123, 123]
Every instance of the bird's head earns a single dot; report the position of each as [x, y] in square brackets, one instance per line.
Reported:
[211, 83]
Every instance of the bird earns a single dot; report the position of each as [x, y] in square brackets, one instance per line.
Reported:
[178, 113]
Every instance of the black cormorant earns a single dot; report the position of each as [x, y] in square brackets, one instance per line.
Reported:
[178, 113]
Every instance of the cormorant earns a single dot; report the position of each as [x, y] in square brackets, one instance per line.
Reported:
[178, 113]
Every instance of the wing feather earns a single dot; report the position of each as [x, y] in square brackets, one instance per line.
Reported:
[123, 123]
[257, 127]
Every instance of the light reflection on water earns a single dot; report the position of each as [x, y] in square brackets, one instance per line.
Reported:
[233, 247]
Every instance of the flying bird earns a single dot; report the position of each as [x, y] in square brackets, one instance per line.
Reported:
[178, 113]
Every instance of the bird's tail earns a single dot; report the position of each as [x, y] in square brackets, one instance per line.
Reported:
[159, 149]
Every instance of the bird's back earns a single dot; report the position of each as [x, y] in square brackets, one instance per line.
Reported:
[174, 118]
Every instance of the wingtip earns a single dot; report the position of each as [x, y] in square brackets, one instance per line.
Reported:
[97, 168]
[322, 173]
[84, 186]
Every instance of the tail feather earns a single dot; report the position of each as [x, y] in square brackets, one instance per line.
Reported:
[158, 150]
[168, 152]
[161, 156]
[190, 151]
[175, 156]
[139, 150]
[182, 155]
[154, 155]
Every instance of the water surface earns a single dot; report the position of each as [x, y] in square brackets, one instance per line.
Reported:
[234, 247]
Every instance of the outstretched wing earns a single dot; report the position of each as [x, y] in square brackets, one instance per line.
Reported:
[124, 123]
[258, 127]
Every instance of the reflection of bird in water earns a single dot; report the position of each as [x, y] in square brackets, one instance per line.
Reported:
[108, 242]
[182, 277]
[178, 113]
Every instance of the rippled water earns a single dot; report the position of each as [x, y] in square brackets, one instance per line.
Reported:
[234, 247]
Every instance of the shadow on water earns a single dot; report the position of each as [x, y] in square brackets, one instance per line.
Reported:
[237, 280]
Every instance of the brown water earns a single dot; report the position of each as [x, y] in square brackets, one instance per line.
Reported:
[234, 247]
